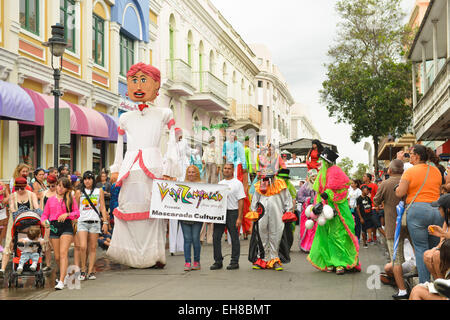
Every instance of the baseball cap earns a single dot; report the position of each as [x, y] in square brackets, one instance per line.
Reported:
[443, 201]
[367, 187]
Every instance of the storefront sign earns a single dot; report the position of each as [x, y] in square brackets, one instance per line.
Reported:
[64, 126]
[127, 105]
[189, 201]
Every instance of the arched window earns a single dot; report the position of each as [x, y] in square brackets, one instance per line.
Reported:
[172, 27]
[274, 120]
[200, 63]
[224, 72]
[234, 85]
[212, 62]
[100, 38]
[242, 91]
[189, 48]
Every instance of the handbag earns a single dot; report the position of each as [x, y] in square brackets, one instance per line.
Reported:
[404, 223]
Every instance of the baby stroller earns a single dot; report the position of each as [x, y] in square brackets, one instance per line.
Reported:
[22, 221]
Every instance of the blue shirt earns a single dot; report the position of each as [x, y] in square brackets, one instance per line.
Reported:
[234, 151]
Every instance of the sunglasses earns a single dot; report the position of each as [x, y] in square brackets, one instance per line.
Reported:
[52, 185]
[20, 188]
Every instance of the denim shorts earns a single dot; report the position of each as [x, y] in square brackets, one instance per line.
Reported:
[89, 226]
[57, 229]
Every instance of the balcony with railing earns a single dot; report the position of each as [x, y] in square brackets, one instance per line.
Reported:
[231, 114]
[431, 115]
[248, 115]
[180, 77]
[211, 92]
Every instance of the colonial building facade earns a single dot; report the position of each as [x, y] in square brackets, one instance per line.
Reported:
[210, 76]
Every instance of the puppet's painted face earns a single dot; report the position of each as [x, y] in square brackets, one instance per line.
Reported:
[142, 88]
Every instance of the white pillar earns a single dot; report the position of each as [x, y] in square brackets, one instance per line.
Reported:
[435, 48]
[142, 56]
[424, 68]
[87, 61]
[114, 48]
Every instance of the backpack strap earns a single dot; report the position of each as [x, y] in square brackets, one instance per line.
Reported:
[30, 200]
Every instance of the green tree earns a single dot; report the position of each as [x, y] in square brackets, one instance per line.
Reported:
[346, 164]
[361, 169]
[368, 85]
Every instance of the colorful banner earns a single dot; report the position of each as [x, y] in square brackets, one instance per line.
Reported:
[189, 201]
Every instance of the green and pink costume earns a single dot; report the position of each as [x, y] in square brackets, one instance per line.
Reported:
[335, 244]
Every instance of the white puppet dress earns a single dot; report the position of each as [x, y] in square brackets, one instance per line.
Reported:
[138, 240]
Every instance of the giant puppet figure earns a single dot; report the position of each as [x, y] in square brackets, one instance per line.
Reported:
[139, 241]
[335, 246]
[272, 207]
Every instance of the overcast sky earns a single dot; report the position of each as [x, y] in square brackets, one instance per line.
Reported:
[299, 34]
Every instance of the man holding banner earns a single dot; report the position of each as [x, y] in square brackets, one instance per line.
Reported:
[234, 216]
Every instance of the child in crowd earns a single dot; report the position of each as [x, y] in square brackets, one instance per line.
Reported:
[364, 211]
[104, 239]
[29, 247]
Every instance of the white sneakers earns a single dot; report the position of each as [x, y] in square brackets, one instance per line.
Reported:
[19, 269]
[33, 267]
[82, 276]
[60, 285]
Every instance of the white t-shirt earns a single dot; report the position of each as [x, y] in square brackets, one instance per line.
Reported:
[353, 194]
[236, 193]
[27, 245]
[291, 160]
[86, 212]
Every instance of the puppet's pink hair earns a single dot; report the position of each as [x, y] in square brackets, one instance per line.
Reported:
[148, 69]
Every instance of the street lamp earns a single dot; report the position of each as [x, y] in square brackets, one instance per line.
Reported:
[57, 45]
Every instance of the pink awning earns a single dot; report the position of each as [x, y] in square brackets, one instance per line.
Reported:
[74, 122]
[83, 121]
[93, 123]
[39, 105]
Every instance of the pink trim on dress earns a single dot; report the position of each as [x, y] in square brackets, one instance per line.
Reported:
[131, 216]
[143, 167]
[170, 123]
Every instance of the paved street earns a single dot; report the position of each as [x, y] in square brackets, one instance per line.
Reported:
[298, 281]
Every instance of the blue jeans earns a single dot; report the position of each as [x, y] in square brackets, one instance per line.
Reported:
[419, 217]
[191, 236]
[25, 256]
